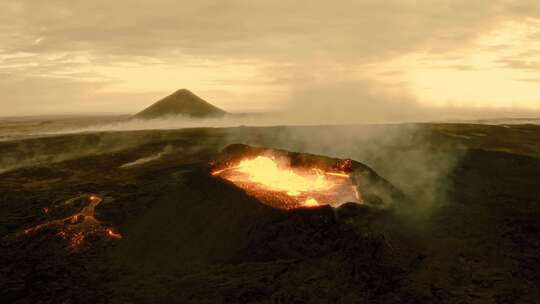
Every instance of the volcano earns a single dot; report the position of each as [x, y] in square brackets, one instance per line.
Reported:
[289, 180]
[254, 224]
[181, 103]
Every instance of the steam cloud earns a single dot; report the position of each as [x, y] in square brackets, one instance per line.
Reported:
[402, 153]
[167, 150]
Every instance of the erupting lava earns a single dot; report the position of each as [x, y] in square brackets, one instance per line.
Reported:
[286, 187]
[76, 227]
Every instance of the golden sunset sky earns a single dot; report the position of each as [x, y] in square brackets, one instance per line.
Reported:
[59, 57]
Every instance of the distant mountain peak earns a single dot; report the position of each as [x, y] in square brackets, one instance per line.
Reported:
[183, 92]
[182, 102]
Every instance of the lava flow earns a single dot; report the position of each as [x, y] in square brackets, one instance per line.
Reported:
[284, 187]
[78, 226]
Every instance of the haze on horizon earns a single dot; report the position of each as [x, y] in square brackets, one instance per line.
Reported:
[391, 58]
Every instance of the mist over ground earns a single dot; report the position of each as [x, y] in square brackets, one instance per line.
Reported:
[334, 105]
[398, 152]
[120, 111]
[348, 120]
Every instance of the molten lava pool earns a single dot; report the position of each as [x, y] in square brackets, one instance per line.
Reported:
[274, 182]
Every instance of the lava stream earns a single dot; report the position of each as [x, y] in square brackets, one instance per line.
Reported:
[77, 226]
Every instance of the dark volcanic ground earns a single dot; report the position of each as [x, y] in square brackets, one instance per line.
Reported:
[470, 232]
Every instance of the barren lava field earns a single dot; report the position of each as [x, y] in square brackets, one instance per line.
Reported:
[136, 217]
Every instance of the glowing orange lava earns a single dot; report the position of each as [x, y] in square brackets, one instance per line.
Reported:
[284, 187]
[74, 228]
[265, 171]
[113, 234]
[311, 202]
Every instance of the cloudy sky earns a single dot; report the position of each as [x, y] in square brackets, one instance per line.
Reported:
[387, 56]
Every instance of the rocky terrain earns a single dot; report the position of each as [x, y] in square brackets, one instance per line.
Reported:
[468, 232]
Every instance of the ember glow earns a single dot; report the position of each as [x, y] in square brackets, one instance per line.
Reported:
[76, 227]
[113, 234]
[311, 202]
[279, 185]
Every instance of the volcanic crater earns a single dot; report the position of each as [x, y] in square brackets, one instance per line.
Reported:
[197, 226]
[287, 180]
